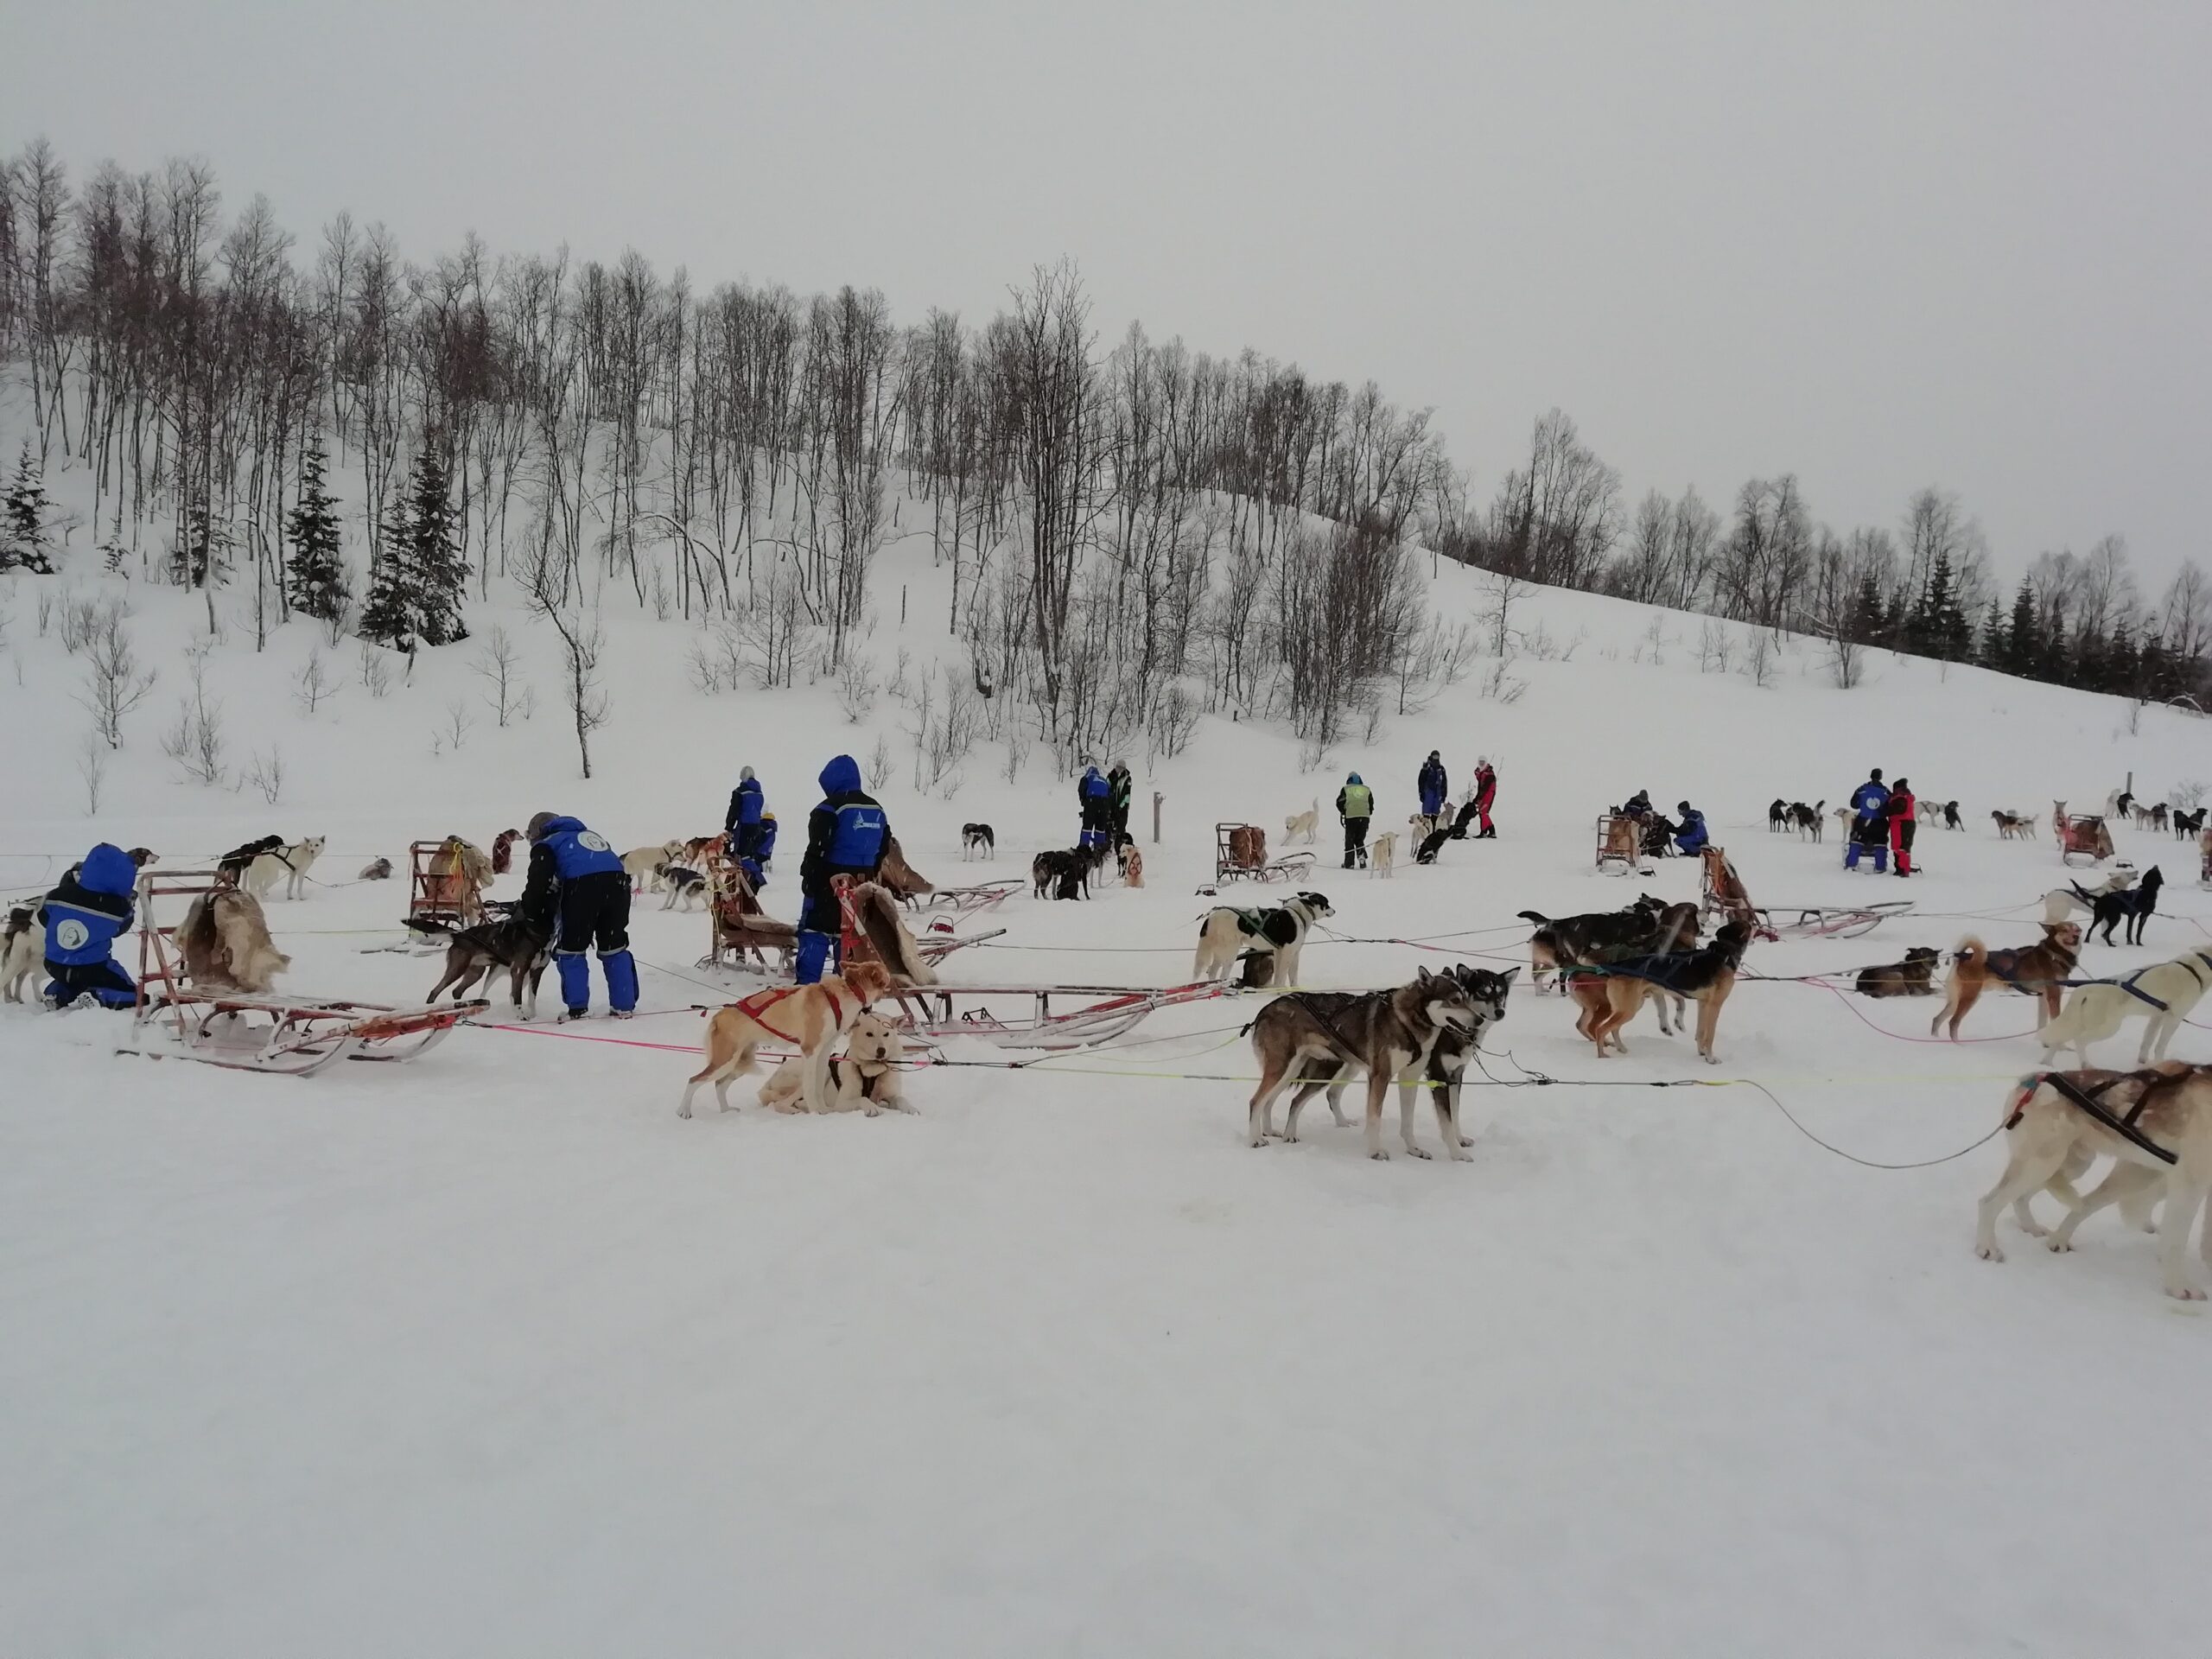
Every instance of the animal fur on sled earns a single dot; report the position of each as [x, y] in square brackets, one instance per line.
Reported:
[904, 881]
[226, 943]
[877, 912]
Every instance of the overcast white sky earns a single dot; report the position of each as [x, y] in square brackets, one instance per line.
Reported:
[1880, 245]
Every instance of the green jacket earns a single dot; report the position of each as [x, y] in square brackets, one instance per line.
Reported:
[1118, 784]
[1355, 801]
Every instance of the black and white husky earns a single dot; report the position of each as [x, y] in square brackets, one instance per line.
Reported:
[1227, 932]
[976, 841]
[289, 865]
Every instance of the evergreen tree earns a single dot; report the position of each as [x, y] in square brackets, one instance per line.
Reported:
[388, 616]
[197, 560]
[1938, 626]
[22, 519]
[2123, 659]
[315, 575]
[2022, 648]
[1991, 650]
[1867, 617]
[439, 572]
[2051, 660]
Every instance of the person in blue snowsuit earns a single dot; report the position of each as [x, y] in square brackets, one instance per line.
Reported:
[1095, 797]
[845, 835]
[1433, 785]
[83, 916]
[1870, 830]
[1690, 835]
[748, 806]
[578, 890]
[765, 850]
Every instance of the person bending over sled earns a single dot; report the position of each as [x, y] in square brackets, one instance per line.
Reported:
[845, 835]
[1690, 835]
[1870, 830]
[578, 891]
[83, 916]
[1356, 806]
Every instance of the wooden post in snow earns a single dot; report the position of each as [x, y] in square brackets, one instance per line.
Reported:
[1157, 797]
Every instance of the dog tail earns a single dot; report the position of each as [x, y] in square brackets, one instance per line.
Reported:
[1530, 915]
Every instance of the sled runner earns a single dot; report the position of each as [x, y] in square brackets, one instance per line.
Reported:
[963, 901]
[289, 1036]
[995, 1015]
[2083, 840]
[1721, 894]
[1241, 850]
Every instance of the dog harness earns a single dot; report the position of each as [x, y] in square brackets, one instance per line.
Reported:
[1277, 927]
[757, 1005]
[2091, 1101]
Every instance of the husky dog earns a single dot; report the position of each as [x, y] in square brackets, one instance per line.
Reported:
[1383, 852]
[1805, 819]
[810, 1018]
[1951, 819]
[1131, 860]
[1575, 941]
[1226, 933]
[1066, 871]
[865, 1076]
[1914, 976]
[1705, 976]
[2131, 906]
[22, 945]
[2162, 995]
[2039, 971]
[2052, 1140]
[1777, 814]
[1448, 1061]
[519, 948]
[224, 941]
[377, 869]
[287, 864]
[643, 864]
[2186, 824]
[1388, 1034]
[1302, 824]
[976, 841]
[2013, 825]
[685, 887]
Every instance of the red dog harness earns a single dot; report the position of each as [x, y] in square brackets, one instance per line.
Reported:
[760, 1002]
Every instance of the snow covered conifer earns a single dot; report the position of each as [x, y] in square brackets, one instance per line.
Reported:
[441, 574]
[388, 616]
[22, 523]
[314, 576]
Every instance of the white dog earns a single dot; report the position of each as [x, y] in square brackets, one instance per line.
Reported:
[2163, 995]
[1302, 824]
[289, 865]
[1382, 851]
[21, 952]
[865, 1076]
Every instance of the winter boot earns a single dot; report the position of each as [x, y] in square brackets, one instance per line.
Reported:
[575, 982]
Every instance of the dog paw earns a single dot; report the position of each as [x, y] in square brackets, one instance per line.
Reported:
[2186, 1293]
[2056, 1245]
[1467, 1140]
[1415, 1152]
[1989, 1252]
[683, 1111]
[1380, 1157]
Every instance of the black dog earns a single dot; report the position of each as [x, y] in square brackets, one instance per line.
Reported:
[1431, 845]
[1777, 816]
[1951, 815]
[1068, 873]
[2131, 906]
[2186, 824]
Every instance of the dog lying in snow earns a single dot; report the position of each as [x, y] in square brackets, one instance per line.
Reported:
[864, 1076]
[810, 1017]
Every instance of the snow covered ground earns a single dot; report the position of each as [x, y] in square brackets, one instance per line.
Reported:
[491, 1354]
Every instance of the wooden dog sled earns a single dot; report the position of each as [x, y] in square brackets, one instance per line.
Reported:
[1022, 1016]
[1620, 845]
[1240, 850]
[2083, 840]
[1721, 894]
[286, 1035]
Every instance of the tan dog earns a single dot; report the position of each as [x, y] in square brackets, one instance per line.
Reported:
[2039, 971]
[2052, 1139]
[811, 1018]
[1423, 827]
[1383, 852]
[1610, 997]
[643, 864]
[225, 944]
[1304, 823]
[865, 1076]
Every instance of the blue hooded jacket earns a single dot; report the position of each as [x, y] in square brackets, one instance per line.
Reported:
[1093, 787]
[746, 803]
[577, 851]
[1869, 799]
[846, 833]
[84, 914]
[1690, 836]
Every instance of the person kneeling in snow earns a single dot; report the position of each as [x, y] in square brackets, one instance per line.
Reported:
[1690, 835]
[579, 891]
[83, 916]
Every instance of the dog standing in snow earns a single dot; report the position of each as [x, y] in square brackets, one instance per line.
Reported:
[289, 865]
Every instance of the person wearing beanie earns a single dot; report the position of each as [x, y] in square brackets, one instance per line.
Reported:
[578, 891]
[1870, 828]
[846, 835]
[1902, 810]
[1119, 787]
[1433, 787]
[743, 824]
[1486, 793]
[1690, 834]
[1356, 806]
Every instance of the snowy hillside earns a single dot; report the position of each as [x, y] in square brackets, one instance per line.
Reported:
[491, 1354]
